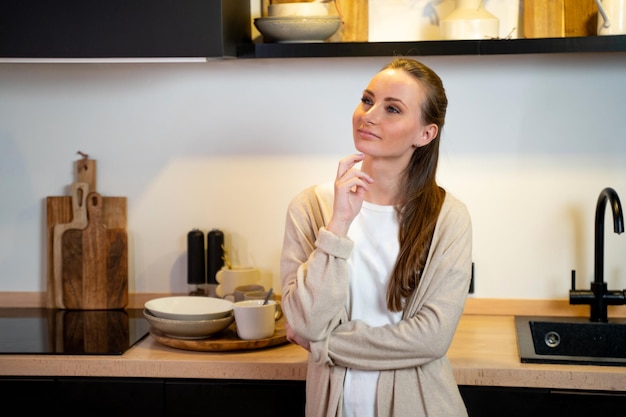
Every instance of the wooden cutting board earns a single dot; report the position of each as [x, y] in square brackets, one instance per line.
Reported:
[80, 190]
[95, 263]
[59, 210]
[559, 18]
[225, 340]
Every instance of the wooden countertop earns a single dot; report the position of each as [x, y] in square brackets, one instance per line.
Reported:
[483, 352]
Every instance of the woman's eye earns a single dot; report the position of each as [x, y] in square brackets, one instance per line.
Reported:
[366, 100]
[392, 109]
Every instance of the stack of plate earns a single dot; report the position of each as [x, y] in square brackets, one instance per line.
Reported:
[297, 28]
[189, 317]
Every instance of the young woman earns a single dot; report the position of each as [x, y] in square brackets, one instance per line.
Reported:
[376, 267]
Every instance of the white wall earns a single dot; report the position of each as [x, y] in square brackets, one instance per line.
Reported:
[529, 143]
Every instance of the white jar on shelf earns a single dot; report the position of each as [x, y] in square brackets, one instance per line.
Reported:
[469, 20]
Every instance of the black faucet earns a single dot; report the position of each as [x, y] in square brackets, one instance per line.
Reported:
[599, 297]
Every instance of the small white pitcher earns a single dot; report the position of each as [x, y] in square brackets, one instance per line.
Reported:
[611, 17]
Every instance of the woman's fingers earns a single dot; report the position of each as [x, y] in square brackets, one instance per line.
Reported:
[348, 162]
[350, 177]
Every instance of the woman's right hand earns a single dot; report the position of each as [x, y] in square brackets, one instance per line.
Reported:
[294, 338]
[350, 187]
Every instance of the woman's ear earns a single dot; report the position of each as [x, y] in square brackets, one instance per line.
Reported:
[428, 134]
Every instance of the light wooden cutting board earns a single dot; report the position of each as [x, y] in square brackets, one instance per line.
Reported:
[559, 18]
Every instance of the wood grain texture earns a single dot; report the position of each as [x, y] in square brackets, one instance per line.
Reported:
[86, 172]
[226, 340]
[79, 221]
[95, 263]
[581, 18]
[544, 18]
[354, 27]
[59, 210]
[559, 18]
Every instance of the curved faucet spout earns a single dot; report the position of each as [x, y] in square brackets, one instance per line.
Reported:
[608, 194]
[600, 297]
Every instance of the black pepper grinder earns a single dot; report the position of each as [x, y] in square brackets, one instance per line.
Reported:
[196, 270]
[215, 254]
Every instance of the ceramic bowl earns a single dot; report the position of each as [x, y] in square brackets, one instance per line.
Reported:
[298, 9]
[297, 29]
[189, 329]
[189, 308]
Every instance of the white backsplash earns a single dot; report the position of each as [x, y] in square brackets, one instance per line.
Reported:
[227, 144]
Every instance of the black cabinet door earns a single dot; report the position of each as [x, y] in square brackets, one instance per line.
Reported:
[234, 398]
[540, 402]
[31, 396]
[123, 28]
[107, 397]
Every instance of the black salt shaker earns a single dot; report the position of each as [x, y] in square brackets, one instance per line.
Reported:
[215, 254]
[196, 265]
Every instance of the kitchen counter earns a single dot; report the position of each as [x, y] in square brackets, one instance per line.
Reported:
[483, 353]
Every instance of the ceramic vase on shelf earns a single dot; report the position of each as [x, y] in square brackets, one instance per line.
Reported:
[469, 20]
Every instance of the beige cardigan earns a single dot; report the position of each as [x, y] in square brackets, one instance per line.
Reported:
[416, 378]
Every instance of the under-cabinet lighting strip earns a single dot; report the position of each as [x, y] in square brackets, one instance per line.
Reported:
[103, 60]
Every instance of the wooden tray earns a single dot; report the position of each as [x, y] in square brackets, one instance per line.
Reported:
[223, 341]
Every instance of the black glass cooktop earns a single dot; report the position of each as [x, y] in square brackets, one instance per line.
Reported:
[70, 332]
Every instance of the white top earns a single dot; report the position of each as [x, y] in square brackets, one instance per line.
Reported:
[375, 235]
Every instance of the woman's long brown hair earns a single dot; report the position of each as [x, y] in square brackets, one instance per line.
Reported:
[420, 196]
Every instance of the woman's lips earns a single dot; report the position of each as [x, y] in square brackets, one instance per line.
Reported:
[366, 134]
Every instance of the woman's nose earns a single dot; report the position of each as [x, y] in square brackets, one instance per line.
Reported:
[369, 117]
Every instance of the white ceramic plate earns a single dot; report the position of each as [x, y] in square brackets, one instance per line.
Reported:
[297, 28]
[189, 308]
[189, 329]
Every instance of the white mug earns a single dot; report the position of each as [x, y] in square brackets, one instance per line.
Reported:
[262, 295]
[255, 320]
[237, 276]
[611, 17]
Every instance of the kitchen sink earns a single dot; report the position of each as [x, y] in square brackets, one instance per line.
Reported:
[571, 340]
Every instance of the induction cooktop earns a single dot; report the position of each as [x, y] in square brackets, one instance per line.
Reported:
[70, 332]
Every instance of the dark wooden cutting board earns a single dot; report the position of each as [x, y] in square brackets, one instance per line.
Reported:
[95, 263]
[60, 211]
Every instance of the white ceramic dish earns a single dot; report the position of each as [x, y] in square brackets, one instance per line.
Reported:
[189, 329]
[297, 29]
[189, 308]
[311, 8]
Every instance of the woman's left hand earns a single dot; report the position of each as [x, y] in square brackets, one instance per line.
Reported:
[294, 338]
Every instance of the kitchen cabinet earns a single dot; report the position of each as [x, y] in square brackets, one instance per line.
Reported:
[123, 28]
[154, 397]
[193, 398]
[540, 402]
[119, 397]
[31, 396]
[65, 29]
[162, 397]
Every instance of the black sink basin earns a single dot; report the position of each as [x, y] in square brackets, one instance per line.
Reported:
[571, 340]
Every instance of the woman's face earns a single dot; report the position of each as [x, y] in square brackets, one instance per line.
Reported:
[388, 121]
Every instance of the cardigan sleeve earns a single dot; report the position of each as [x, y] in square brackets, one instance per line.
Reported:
[314, 268]
[432, 313]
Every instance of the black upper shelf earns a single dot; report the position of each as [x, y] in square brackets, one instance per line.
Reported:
[616, 43]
